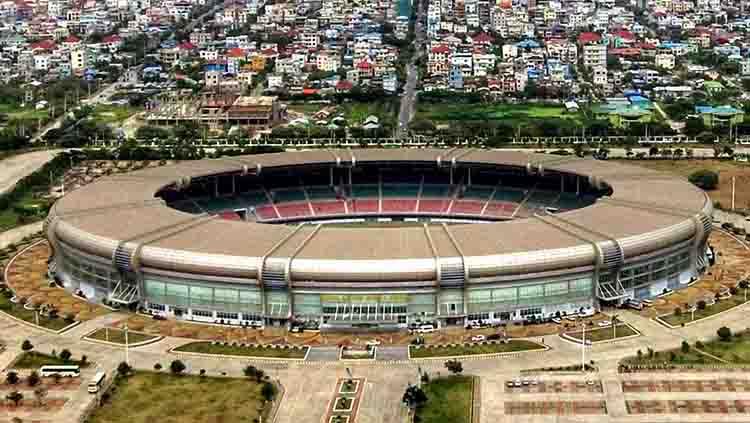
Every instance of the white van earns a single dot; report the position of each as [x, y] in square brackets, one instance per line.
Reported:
[426, 329]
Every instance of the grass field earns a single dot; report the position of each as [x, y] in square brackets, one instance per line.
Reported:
[604, 334]
[726, 169]
[17, 311]
[208, 348]
[111, 114]
[18, 113]
[459, 350]
[10, 217]
[34, 360]
[356, 113]
[117, 336]
[721, 305]
[515, 113]
[737, 351]
[147, 397]
[448, 400]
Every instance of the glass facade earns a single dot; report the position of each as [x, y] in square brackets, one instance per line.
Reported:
[230, 300]
[490, 299]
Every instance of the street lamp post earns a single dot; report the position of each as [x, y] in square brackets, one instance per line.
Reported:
[583, 348]
[127, 361]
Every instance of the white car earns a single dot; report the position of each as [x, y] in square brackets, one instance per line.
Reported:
[604, 323]
[557, 320]
[373, 342]
[572, 318]
[478, 338]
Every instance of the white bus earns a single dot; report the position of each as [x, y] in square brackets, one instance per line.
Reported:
[96, 382]
[67, 371]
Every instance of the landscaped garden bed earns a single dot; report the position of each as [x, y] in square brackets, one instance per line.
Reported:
[35, 360]
[146, 397]
[684, 317]
[607, 333]
[456, 350]
[237, 349]
[449, 399]
[117, 336]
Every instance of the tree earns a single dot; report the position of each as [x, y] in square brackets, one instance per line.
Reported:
[454, 366]
[65, 354]
[202, 373]
[268, 391]
[12, 378]
[677, 311]
[685, 348]
[414, 397]
[701, 305]
[33, 379]
[253, 372]
[157, 367]
[14, 397]
[124, 369]
[705, 179]
[653, 151]
[40, 394]
[725, 334]
[177, 367]
[27, 346]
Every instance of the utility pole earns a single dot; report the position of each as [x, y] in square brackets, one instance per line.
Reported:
[583, 348]
[734, 183]
[126, 345]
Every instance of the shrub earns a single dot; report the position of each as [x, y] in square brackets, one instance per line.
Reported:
[650, 353]
[33, 379]
[672, 356]
[677, 311]
[725, 334]
[65, 354]
[685, 347]
[704, 179]
[12, 378]
[454, 366]
[701, 305]
[177, 367]
[157, 367]
[124, 369]
[699, 345]
[26, 345]
[268, 391]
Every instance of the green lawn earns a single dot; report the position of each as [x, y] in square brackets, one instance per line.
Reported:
[207, 348]
[16, 112]
[111, 114]
[448, 400]
[35, 360]
[459, 350]
[356, 113]
[604, 334]
[736, 351]
[117, 336]
[721, 305]
[515, 113]
[147, 397]
[34, 209]
[17, 310]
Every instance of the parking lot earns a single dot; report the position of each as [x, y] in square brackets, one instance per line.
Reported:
[532, 386]
[726, 385]
[555, 408]
[688, 407]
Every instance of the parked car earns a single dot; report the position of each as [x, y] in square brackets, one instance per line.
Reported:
[556, 320]
[587, 312]
[604, 323]
[647, 303]
[426, 329]
[478, 338]
[634, 304]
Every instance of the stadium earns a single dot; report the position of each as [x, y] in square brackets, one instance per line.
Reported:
[379, 238]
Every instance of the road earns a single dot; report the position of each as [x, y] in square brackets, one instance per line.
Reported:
[409, 97]
[15, 168]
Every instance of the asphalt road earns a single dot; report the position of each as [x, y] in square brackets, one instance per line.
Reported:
[409, 97]
[13, 169]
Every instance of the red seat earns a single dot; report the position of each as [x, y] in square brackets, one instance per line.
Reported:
[323, 208]
[433, 205]
[293, 209]
[364, 206]
[399, 206]
[230, 215]
[266, 212]
[467, 207]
